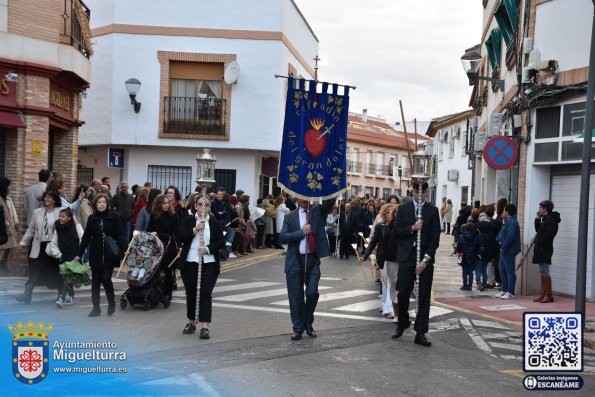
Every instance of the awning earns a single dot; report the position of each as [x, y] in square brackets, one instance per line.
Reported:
[581, 137]
[9, 119]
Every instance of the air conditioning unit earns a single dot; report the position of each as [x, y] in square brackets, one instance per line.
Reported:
[527, 45]
[494, 124]
[480, 141]
[453, 175]
[534, 57]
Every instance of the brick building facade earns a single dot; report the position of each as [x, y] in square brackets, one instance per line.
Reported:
[44, 67]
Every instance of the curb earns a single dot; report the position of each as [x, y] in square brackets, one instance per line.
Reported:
[587, 342]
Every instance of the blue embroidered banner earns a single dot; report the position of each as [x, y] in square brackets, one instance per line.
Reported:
[313, 153]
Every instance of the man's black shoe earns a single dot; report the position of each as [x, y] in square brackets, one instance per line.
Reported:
[398, 333]
[420, 339]
[310, 331]
[296, 335]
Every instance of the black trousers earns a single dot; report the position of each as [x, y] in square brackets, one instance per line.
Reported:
[405, 284]
[208, 278]
[345, 248]
[101, 277]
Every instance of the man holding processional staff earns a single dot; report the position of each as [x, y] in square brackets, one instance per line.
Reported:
[408, 224]
[312, 166]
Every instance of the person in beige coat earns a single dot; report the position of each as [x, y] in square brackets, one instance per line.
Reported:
[11, 222]
[43, 270]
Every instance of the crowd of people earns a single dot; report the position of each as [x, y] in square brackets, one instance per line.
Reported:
[218, 225]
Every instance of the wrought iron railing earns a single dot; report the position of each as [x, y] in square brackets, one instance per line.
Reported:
[353, 166]
[185, 115]
[75, 10]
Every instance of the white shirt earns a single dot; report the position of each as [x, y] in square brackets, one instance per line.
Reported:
[195, 245]
[303, 221]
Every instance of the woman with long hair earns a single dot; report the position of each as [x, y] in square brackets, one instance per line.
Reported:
[165, 223]
[43, 269]
[142, 219]
[11, 221]
[102, 223]
[175, 201]
[140, 203]
[202, 237]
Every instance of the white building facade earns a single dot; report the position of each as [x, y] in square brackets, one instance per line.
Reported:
[451, 143]
[180, 51]
[541, 51]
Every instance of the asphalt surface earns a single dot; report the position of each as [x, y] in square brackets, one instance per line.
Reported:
[250, 352]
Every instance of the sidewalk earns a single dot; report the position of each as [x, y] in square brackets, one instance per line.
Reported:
[448, 279]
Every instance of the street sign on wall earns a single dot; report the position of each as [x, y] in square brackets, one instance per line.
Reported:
[500, 152]
[115, 157]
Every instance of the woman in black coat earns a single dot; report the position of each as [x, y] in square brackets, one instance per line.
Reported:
[102, 221]
[165, 222]
[213, 240]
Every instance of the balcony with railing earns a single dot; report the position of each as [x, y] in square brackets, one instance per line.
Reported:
[194, 116]
[77, 32]
[354, 166]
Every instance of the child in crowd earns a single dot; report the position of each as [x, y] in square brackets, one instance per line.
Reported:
[468, 245]
[64, 246]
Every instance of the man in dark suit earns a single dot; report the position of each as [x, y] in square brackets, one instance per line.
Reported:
[304, 232]
[347, 227]
[405, 232]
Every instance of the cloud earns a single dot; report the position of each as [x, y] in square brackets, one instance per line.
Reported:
[397, 49]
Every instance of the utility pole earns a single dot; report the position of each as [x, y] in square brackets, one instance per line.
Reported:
[583, 218]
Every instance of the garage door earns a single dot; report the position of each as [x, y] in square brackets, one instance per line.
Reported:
[565, 195]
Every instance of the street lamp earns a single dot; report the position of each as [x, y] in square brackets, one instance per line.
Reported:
[132, 86]
[471, 61]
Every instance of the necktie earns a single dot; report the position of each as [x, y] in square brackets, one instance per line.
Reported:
[310, 240]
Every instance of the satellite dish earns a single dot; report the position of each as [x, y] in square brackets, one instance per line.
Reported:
[232, 71]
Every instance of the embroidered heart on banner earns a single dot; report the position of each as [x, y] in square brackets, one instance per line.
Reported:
[314, 140]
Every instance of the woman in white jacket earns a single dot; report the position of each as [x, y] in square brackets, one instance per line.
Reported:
[280, 211]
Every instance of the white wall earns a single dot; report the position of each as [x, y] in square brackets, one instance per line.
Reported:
[3, 15]
[458, 162]
[563, 32]
[258, 99]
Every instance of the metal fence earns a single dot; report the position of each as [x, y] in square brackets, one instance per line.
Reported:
[186, 115]
[84, 175]
[162, 176]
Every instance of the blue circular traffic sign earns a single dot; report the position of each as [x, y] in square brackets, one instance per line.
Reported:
[500, 152]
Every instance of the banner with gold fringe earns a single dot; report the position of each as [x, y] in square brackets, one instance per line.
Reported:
[313, 156]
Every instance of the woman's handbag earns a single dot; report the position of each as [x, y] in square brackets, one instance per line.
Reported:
[110, 246]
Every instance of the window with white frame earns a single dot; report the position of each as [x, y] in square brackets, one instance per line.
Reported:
[380, 163]
[451, 145]
[368, 162]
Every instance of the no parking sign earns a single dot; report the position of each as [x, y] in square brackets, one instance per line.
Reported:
[500, 152]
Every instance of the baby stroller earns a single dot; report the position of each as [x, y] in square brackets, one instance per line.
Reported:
[145, 267]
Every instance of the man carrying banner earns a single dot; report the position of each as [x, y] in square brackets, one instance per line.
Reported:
[312, 165]
[305, 235]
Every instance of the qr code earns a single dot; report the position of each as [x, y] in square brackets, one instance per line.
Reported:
[553, 342]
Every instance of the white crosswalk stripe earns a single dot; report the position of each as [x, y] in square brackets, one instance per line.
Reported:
[335, 296]
[236, 287]
[255, 295]
[359, 307]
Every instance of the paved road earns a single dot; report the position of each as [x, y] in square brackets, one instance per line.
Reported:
[250, 353]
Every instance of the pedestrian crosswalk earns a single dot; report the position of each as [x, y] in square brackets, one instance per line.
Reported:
[337, 299]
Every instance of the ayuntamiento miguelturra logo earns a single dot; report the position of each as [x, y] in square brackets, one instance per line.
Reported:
[30, 351]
